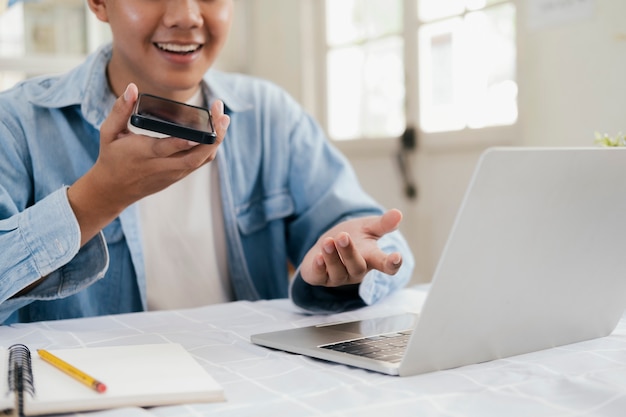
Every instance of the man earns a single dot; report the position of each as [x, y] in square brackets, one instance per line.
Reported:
[83, 201]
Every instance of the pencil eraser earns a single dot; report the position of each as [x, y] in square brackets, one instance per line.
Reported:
[100, 387]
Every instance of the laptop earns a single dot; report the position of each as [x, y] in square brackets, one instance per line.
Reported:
[536, 258]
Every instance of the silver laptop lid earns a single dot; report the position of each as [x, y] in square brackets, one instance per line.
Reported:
[536, 258]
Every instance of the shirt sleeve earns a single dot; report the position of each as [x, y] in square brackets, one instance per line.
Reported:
[44, 241]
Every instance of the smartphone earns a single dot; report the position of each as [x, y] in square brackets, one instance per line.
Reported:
[161, 117]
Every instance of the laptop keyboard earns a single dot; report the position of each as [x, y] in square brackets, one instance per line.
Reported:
[387, 347]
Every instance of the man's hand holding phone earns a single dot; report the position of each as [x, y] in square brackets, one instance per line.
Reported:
[128, 169]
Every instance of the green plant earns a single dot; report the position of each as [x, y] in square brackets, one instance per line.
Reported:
[606, 140]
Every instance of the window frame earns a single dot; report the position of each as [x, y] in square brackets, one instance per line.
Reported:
[447, 141]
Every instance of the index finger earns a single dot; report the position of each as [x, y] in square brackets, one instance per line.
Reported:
[221, 121]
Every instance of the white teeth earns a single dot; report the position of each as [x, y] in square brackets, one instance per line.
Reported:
[172, 47]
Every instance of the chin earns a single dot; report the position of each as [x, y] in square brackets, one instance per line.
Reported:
[184, 80]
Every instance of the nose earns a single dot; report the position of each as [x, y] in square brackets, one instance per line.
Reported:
[183, 14]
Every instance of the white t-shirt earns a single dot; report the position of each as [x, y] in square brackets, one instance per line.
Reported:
[184, 241]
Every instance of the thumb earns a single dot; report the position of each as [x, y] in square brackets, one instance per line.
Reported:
[117, 120]
[388, 222]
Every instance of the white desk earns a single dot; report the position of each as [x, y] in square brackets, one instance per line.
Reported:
[585, 379]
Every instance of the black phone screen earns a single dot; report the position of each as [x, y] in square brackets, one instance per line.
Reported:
[174, 112]
[172, 118]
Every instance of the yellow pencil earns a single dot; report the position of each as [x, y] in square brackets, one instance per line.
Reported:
[72, 371]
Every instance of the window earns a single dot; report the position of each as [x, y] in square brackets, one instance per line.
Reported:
[365, 68]
[463, 68]
[466, 55]
[46, 36]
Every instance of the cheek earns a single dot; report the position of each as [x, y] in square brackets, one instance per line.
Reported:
[220, 20]
[134, 16]
[129, 17]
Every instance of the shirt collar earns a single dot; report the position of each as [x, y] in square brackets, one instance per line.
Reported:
[85, 85]
[222, 88]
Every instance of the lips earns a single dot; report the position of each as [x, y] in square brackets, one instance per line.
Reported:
[178, 48]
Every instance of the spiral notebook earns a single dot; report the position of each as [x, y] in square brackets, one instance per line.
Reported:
[135, 375]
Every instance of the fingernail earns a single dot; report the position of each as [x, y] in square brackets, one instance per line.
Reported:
[329, 248]
[224, 122]
[343, 241]
[127, 93]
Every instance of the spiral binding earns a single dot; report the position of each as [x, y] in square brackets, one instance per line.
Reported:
[20, 374]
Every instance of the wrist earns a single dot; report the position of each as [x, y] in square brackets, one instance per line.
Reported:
[93, 205]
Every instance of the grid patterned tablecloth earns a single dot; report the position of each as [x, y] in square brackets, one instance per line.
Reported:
[584, 379]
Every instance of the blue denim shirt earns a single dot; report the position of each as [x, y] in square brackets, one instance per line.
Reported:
[282, 186]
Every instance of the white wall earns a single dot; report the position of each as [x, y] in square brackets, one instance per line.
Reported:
[266, 40]
[572, 78]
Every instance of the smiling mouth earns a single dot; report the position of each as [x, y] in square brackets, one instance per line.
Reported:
[175, 48]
